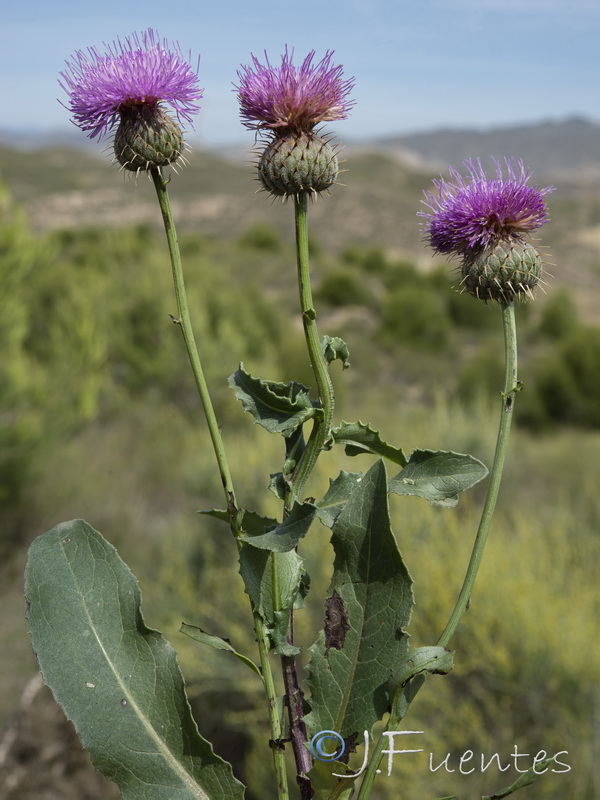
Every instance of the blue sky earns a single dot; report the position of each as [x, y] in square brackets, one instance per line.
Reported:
[418, 64]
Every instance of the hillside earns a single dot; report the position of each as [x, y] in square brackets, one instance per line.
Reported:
[376, 206]
[553, 149]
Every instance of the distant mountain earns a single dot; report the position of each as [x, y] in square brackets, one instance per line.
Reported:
[568, 148]
[553, 149]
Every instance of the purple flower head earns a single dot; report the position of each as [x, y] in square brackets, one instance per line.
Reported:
[474, 212]
[144, 70]
[293, 98]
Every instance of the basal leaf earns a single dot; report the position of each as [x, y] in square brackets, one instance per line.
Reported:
[438, 476]
[369, 604]
[277, 407]
[218, 643]
[340, 489]
[358, 438]
[117, 680]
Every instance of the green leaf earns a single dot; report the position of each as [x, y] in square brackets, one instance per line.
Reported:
[250, 522]
[526, 779]
[219, 644]
[369, 604]
[438, 476]
[334, 348]
[434, 659]
[326, 785]
[285, 535]
[274, 582]
[277, 407]
[340, 489]
[117, 680]
[359, 438]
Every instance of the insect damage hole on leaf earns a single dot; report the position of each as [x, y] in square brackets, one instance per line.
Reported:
[336, 622]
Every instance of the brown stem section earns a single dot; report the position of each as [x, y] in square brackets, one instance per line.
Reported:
[295, 702]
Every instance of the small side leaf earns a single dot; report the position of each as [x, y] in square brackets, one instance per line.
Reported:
[526, 779]
[336, 497]
[434, 659]
[335, 348]
[438, 476]
[285, 535]
[273, 600]
[359, 438]
[219, 644]
[277, 407]
[117, 680]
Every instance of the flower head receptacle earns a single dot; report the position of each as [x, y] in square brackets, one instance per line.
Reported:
[285, 103]
[487, 221]
[129, 85]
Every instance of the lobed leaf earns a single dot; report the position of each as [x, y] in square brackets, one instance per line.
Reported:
[277, 407]
[117, 680]
[359, 438]
[438, 476]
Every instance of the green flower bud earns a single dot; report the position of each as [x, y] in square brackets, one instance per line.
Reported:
[509, 269]
[294, 163]
[146, 138]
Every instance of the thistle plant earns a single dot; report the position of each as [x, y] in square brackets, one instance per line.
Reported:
[118, 680]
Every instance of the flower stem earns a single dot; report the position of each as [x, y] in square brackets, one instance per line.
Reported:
[511, 387]
[508, 396]
[322, 422]
[183, 319]
[190, 343]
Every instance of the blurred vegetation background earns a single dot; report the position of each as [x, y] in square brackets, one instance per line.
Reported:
[99, 419]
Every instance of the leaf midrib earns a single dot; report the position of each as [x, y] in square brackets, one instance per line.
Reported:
[170, 758]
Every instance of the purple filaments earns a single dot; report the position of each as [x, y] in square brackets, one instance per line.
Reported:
[477, 211]
[142, 70]
[290, 98]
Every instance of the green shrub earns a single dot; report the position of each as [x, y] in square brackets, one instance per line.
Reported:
[416, 315]
[559, 315]
[344, 287]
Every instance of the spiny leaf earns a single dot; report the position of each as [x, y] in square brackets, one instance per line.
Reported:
[277, 407]
[218, 643]
[359, 438]
[369, 604]
[117, 680]
[438, 476]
